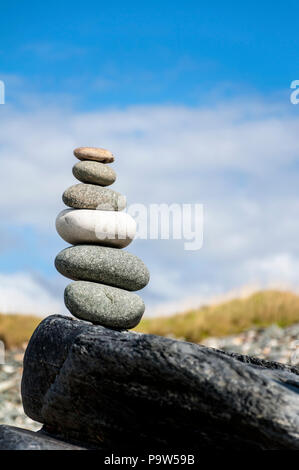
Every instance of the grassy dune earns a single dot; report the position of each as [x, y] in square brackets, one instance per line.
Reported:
[259, 310]
[16, 330]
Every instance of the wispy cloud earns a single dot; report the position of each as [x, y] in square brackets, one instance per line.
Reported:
[53, 51]
[23, 293]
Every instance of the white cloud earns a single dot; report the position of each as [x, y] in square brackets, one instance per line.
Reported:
[275, 269]
[239, 159]
[22, 293]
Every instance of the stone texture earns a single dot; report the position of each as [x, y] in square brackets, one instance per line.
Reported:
[104, 305]
[109, 266]
[91, 196]
[12, 438]
[94, 173]
[109, 228]
[94, 153]
[124, 390]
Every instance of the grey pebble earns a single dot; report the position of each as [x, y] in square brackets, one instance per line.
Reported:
[104, 305]
[90, 196]
[102, 264]
[94, 173]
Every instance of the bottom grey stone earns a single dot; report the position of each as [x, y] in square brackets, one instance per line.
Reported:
[12, 438]
[122, 390]
[104, 305]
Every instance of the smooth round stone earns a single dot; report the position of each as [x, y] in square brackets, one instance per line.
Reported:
[116, 268]
[110, 228]
[94, 173]
[90, 196]
[105, 305]
[94, 153]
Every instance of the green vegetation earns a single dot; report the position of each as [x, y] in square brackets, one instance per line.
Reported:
[259, 310]
[15, 330]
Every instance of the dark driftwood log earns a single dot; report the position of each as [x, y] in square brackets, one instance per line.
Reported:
[12, 438]
[125, 390]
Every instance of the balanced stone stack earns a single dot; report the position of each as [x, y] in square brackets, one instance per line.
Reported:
[104, 274]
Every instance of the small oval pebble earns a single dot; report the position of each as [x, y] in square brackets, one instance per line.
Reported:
[110, 228]
[90, 196]
[109, 266]
[94, 173]
[105, 305]
[94, 153]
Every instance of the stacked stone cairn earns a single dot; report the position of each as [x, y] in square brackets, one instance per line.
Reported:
[104, 274]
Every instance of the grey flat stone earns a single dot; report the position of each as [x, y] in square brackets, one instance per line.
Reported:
[12, 438]
[91, 196]
[123, 390]
[104, 305]
[94, 173]
[106, 265]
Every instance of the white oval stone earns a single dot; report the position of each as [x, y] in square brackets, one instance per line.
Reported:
[109, 228]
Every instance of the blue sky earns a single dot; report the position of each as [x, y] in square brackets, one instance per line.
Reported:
[193, 99]
[150, 52]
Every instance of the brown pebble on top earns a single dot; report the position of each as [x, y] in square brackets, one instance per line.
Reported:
[94, 153]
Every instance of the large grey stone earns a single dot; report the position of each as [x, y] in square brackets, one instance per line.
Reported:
[94, 153]
[123, 390]
[109, 266]
[94, 173]
[91, 196]
[104, 305]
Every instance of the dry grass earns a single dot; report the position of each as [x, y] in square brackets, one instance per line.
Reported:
[259, 310]
[16, 330]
